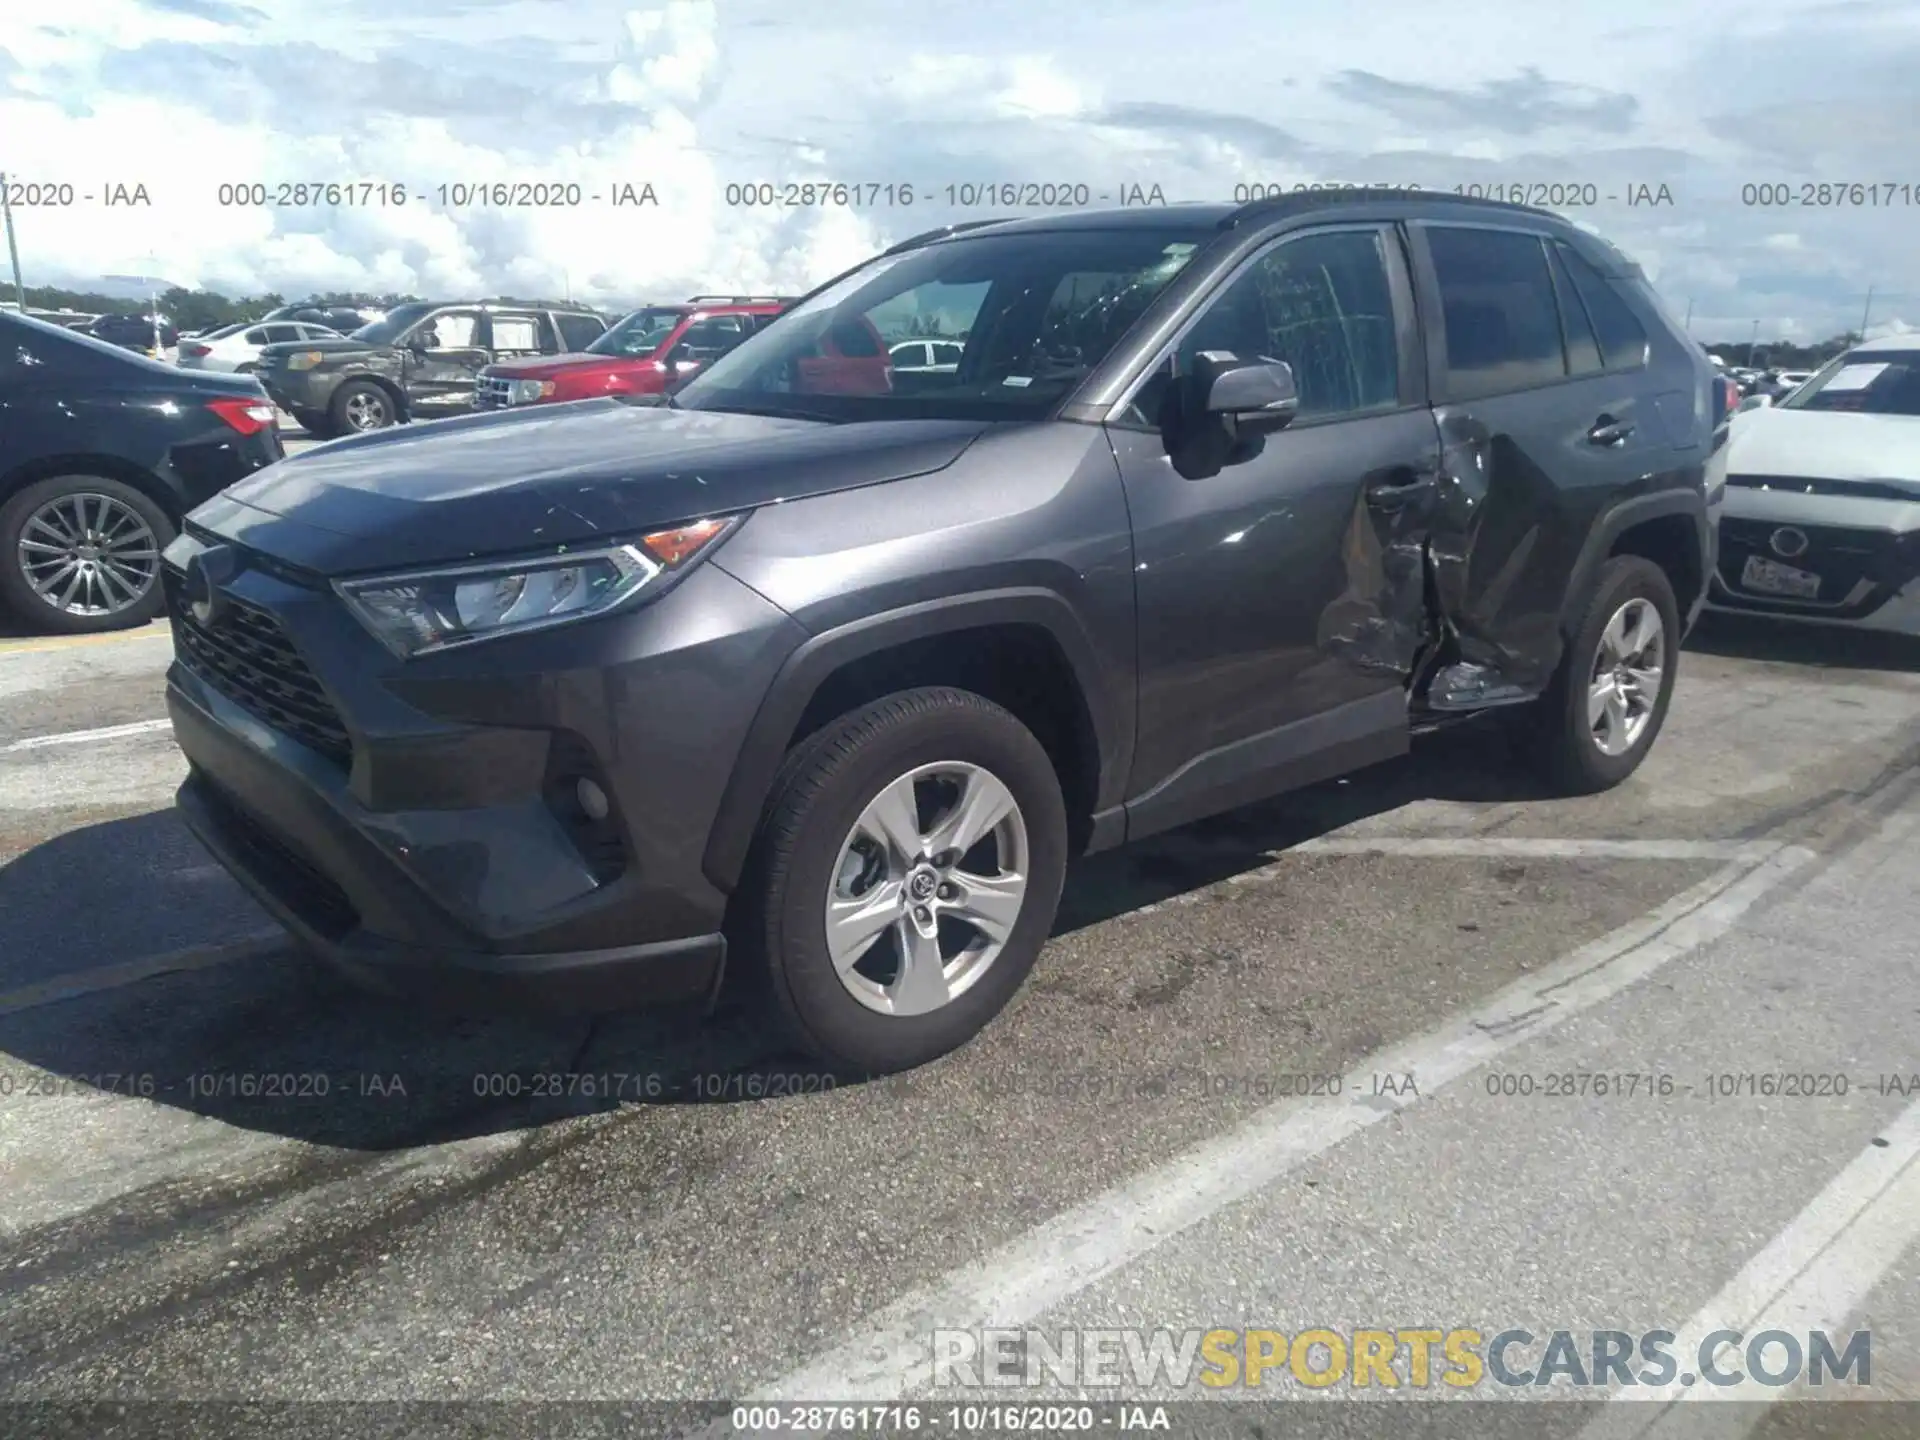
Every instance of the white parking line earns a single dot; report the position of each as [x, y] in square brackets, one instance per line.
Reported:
[888, 1357]
[1811, 1276]
[85, 737]
[1528, 848]
[255, 945]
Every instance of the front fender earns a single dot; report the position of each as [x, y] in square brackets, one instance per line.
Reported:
[812, 662]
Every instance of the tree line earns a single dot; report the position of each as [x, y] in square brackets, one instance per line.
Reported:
[205, 309]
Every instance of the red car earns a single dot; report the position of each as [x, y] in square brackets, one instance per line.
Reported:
[638, 356]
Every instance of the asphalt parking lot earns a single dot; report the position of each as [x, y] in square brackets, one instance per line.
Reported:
[426, 1216]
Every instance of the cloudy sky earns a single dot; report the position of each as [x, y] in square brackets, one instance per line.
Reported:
[1725, 106]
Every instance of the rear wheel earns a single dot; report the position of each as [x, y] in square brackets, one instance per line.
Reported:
[1608, 700]
[361, 405]
[905, 878]
[81, 554]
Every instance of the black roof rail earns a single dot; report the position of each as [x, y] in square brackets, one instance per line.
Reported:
[1283, 204]
[927, 237]
[741, 300]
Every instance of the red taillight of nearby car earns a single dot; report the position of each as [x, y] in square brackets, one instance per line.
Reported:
[247, 416]
[194, 352]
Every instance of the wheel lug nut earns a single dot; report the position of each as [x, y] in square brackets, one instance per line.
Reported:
[922, 914]
[948, 891]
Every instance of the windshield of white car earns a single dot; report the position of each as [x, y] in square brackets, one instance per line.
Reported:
[1031, 313]
[1864, 382]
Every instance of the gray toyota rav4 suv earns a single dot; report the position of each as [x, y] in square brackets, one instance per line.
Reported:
[815, 674]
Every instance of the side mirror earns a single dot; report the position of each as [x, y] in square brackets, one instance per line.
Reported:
[1254, 397]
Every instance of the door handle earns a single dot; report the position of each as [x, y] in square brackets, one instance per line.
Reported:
[1609, 431]
[1397, 492]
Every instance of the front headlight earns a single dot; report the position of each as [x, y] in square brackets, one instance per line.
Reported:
[525, 392]
[305, 359]
[422, 611]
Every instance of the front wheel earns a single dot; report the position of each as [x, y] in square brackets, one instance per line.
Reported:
[1609, 698]
[360, 405]
[906, 875]
[80, 554]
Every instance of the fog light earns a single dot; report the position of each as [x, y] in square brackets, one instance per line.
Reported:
[593, 800]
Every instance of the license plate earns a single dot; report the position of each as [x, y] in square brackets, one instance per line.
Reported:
[1772, 578]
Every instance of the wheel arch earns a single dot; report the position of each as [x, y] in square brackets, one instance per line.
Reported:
[956, 641]
[107, 467]
[1669, 528]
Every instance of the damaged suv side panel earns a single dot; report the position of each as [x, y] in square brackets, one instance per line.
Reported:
[1562, 396]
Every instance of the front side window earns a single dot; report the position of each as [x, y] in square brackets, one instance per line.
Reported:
[1497, 302]
[1037, 310]
[1321, 303]
[450, 330]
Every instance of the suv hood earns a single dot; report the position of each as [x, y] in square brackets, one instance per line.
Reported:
[547, 366]
[1825, 445]
[513, 481]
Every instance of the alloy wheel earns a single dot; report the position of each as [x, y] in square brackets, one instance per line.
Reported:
[88, 554]
[367, 410]
[927, 888]
[1624, 686]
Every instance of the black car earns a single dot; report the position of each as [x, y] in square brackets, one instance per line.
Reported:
[824, 681]
[418, 362]
[134, 332]
[101, 454]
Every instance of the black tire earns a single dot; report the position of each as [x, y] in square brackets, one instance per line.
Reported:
[1555, 730]
[19, 596]
[778, 935]
[356, 393]
[315, 423]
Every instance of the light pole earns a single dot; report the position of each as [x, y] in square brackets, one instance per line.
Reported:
[1687, 324]
[1866, 313]
[1753, 340]
[13, 252]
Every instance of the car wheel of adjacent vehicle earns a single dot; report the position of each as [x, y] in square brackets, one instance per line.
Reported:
[360, 405]
[1608, 700]
[82, 554]
[906, 874]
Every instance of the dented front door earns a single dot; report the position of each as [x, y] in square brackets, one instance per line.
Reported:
[1281, 599]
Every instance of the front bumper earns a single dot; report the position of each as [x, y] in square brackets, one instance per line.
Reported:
[296, 390]
[404, 822]
[1865, 551]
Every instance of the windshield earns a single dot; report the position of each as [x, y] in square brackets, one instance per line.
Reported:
[389, 327]
[640, 333]
[1869, 382]
[1029, 315]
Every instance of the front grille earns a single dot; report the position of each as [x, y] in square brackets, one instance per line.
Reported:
[247, 657]
[492, 393]
[1861, 568]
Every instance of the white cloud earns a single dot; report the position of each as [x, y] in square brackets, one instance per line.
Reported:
[690, 96]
